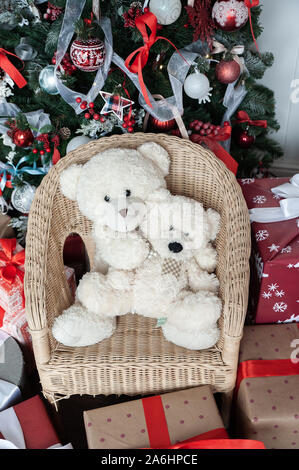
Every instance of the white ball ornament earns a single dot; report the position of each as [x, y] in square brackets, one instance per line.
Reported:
[197, 86]
[22, 197]
[77, 142]
[166, 11]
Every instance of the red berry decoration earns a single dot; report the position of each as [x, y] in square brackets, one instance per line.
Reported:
[52, 12]
[130, 129]
[230, 15]
[83, 105]
[131, 15]
[48, 150]
[42, 152]
[91, 104]
[78, 100]
[243, 139]
[87, 116]
[102, 119]
[34, 151]
[23, 138]
[88, 55]
[96, 117]
[227, 71]
[162, 126]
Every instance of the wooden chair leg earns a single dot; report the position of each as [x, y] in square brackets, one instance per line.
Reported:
[226, 405]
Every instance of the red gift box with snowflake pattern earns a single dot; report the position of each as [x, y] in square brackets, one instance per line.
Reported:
[275, 257]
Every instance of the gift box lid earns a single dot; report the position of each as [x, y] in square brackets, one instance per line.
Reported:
[154, 421]
[276, 241]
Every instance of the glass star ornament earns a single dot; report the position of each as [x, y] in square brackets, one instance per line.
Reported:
[115, 104]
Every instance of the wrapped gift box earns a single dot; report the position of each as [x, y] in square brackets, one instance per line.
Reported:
[275, 257]
[27, 425]
[266, 403]
[11, 276]
[155, 422]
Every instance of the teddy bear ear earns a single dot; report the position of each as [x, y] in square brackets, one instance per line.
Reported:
[214, 223]
[157, 154]
[69, 181]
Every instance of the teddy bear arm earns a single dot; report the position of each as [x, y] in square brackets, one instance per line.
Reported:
[199, 279]
[206, 258]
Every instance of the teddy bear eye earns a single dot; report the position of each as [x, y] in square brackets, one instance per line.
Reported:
[171, 228]
[107, 198]
[128, 193]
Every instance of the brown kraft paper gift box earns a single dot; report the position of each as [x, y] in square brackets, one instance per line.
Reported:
[186, 414]
[267, 408]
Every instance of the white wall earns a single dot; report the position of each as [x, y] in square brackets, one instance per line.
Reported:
[281, 36]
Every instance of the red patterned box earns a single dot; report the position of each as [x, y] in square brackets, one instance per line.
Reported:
[12, 257]
[275, 256]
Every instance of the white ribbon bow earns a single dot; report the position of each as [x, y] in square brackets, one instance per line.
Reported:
[11, 429]
[289, 207]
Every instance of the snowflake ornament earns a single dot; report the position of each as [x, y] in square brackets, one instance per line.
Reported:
[261, 235]
[266, 295]
[280, 307]
[293, 318]
[259, 199]
[287, 249]
[280, 293]
[273, 287]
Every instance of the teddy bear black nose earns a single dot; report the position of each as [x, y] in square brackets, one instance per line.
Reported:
[175, 247]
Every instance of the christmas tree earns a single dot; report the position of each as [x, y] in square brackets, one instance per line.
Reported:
[218, 49]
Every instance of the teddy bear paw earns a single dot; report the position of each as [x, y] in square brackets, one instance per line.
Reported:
[78, 327]
[195, 339]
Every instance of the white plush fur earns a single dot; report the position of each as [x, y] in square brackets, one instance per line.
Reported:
[135, 247]
[127, 177]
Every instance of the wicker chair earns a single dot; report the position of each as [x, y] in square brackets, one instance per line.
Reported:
[136, 359]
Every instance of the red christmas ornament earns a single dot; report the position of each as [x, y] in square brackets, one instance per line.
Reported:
[162, 126]
[23, 138]
[243, 139]
[227, 71]
[230, 15]
[88, 55]
[199, 16]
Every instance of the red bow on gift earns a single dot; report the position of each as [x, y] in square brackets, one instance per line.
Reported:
[10, 69]
[242, 116]
[11, 269]
[141, 54]
[212, 142]
[250, 4]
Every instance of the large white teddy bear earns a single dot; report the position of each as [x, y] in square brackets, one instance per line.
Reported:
[111, 190]
[176, 282]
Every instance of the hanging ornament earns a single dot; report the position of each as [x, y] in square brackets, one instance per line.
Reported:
[197, 86]
[230, 15]
[199, 16]
[242, 138]
[22, 197]
[166, 11]
[114, 104]
[47, 80]
[227, 71]
[88, 55]
[162, 126]
[77, 142]
[22, 138]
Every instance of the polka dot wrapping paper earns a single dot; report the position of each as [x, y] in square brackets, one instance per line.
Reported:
[172, 417]
[266, 408]
[274, 292]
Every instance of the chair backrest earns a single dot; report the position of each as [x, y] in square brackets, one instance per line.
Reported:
[194, 172]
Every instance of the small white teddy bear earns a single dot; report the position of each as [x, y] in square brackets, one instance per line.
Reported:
[175, 282]
[111, 190]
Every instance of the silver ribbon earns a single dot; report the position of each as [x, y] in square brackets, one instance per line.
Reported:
[289, 207]
[10, 394]
[177, 67]
[36, 119]
[25, 51]
[232, 99]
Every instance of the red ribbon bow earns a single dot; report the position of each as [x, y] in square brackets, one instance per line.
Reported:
[250, 4]
[242, 116]
[212, 142]
[10, 69]
[12, 262]
[137, 60]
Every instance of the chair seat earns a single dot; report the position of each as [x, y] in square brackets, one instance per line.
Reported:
[137, 345]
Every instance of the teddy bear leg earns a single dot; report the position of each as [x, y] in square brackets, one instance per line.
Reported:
[97, 295]
[192, 321]
[79, 327]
